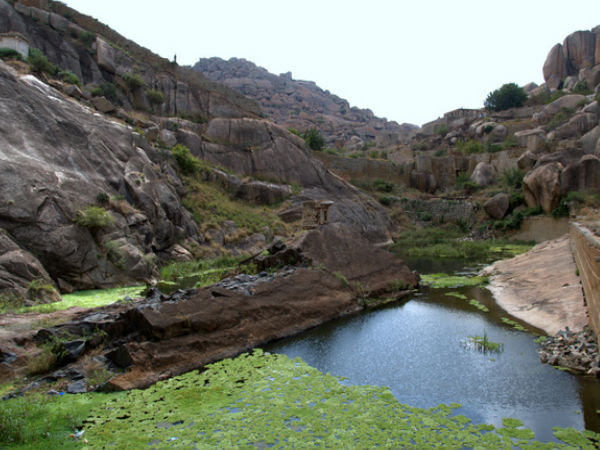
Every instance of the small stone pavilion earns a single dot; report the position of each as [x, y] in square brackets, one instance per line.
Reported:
[15, 41]
[315, 213]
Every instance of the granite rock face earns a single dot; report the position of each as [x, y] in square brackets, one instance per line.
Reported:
[58, 159]
[302, 104]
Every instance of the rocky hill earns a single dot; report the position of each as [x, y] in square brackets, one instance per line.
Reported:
[100, 185]
[543, 156]
[303, 105]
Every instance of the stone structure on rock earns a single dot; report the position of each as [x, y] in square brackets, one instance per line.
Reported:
[586, 249]
[15, 41]
[315, 213]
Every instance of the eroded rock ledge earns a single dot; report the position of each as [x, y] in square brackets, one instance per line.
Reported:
[163, 336]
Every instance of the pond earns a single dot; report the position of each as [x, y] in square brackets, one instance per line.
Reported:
[418, 349]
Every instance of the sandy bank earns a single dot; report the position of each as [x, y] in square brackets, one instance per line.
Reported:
[541, 287]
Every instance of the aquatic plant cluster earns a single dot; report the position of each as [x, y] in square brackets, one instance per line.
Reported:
[261, 400]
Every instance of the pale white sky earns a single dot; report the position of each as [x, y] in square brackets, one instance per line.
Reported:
[407, 61]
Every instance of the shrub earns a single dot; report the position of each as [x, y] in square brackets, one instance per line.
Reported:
[516, 199]
[40, 288]
[155, 97]
[313, 139]
[69, 77]
[441, 130]
[511, 222]
[87, 38]
[107, 90]
[385, 201]
[133, 81]
[513, 178]
[470, 147]
[102, 198]
[510, 95]
[94, 217]
[510, 142]
[39, 62]
[382, 185]
[562, 210]
[186, 162]
[493, 148]
[560, 117]
[9, 53]
[581, 87]
[463, 182]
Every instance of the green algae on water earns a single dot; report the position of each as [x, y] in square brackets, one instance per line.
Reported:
[443, 280]
[261, 400]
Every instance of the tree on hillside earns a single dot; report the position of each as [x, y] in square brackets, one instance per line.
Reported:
[510, 95]
[313, 139]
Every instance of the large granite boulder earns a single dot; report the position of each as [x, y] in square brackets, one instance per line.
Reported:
[22, 276]
[58, 160]
[497, 206]
[555, 67]
[484, 174]
[541, 186]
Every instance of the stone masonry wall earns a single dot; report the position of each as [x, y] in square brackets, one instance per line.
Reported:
[586, 249]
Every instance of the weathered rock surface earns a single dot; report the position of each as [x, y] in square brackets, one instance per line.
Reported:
[186, 92]
[497, 206]
[303, 105]
[484, 174]
[541, 186]
[574, 350]
[583, 175]
[258, 148]
[56, 157]
[162, 336]
[578, 54]
[547, 299]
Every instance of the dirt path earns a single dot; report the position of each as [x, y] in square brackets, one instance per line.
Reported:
[541, 287]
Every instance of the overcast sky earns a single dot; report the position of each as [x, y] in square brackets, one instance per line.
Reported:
[407, 61]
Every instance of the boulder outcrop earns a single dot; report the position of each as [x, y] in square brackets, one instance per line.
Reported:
[303, 105]
[59, 160]
[578, 55]
[337, 273]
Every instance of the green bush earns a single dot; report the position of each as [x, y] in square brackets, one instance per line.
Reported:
[87, 38]
[441, 130]
[562, 210]
[510, 95]
[513, 178]
[133, 81]
[155, 97]
[470, 147]
[582, 88]
[382, 185]
[9, 53]
[385, 201]
[510, 142]
[94, 217]
[516, 199]
[463, 182]
[39, 62]
[313, 139]
[186, 162]
[69, 77]
[102, 198]
[560, 117]
[511, 222]
[107, 90]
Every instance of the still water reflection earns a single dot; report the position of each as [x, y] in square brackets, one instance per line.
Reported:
[416, 349]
